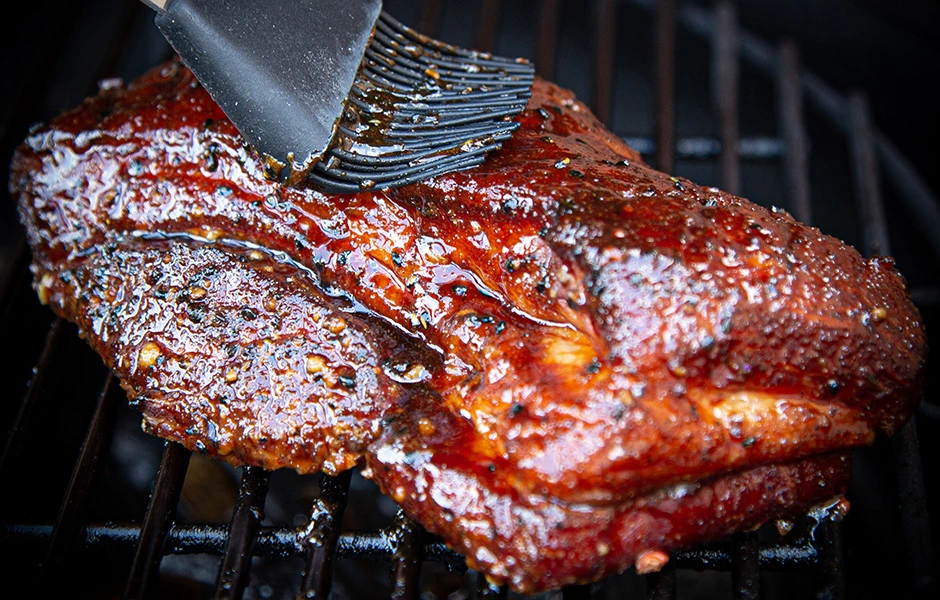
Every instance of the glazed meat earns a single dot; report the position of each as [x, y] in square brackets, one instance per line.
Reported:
[562, 362]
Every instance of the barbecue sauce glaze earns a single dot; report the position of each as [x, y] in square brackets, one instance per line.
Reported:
[563, 362]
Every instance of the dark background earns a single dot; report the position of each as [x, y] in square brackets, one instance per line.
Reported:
[888, 48]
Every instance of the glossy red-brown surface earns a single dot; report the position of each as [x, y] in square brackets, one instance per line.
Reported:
[235, 355]
[534, 542]
[560, 331]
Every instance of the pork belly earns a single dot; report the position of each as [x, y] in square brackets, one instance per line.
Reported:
[561, 361]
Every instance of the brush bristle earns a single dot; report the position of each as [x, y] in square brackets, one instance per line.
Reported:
[421, 108]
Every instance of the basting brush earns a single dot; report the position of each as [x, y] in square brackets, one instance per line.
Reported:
[339, 93]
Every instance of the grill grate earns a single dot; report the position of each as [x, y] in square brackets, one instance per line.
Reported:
[816, 549]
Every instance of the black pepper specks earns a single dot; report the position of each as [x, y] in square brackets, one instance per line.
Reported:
[542, 285]
[725, 325]
[510, 205]
[212, 157]
[195, 312]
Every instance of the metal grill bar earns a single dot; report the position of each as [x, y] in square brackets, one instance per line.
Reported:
[97, 441]
[745, 572]
[21, 423]
[606, 33]
[246, 520]
[281, 541]
[489, 25]
[548, 37]
[725, 92]
[829, 545]
[867, 181]
[326, 517]
[915, 521]
[662, 585]
[758, 148]
[153, 533]
[745, 566]
[429, 20]
[407, 557]
[913, 191]
[790, 115]
[781, 556]
[665, 84]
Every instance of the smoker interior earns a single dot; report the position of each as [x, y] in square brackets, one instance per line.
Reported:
[722, 93]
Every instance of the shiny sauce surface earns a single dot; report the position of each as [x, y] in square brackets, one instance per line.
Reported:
[562, 329]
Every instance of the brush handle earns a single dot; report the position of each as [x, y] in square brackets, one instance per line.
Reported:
[157, 5]
[280, 69]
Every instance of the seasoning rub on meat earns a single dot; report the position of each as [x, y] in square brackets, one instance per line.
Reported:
[563, 362]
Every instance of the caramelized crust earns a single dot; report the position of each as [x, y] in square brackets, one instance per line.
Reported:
[235, 355]
[534, 542]
[560, 353]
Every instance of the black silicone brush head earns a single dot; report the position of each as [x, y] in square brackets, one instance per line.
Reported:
[341, 94]
[420, 108]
